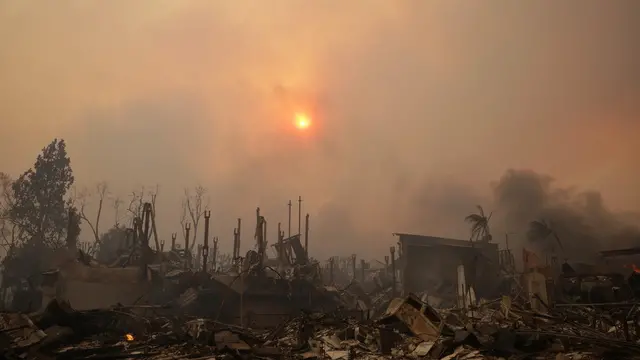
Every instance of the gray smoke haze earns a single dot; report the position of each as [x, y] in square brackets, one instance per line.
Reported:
[580, 218]
[417, 106]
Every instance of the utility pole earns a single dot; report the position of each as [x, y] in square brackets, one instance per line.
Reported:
[300, 215]
[289, 231]
[306, 235]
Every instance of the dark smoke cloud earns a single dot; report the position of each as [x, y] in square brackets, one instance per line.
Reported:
[580, 218]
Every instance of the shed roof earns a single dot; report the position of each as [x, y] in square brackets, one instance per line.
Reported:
[424, 240]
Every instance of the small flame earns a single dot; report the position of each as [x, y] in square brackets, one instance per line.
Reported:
[634, 268]
[129, 337]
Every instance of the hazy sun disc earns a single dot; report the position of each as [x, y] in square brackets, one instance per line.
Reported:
[302, 121]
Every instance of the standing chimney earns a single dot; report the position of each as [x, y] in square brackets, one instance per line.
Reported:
[362, 265]
[174, 236]
[386, 264]
[306, 235]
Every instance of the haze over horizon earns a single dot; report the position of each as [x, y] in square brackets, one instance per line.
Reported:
[417, 107]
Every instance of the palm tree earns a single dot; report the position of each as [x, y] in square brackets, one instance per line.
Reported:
[479, 225]
[541, 230]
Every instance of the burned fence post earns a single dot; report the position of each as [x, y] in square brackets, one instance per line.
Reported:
[187, 230]
[393, 270]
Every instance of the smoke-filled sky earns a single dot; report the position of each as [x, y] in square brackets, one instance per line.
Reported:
[417, 106]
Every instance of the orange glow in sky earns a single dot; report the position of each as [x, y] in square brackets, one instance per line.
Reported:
[302, 121]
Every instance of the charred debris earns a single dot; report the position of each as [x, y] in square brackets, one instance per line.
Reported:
[430, 298]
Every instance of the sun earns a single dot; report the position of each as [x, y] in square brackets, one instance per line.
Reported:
[302, 121]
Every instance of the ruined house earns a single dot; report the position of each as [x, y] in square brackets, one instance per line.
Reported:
[429, 264]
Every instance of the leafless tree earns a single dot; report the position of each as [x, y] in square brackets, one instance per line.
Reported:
[136, 207]
[136, 204]
[101, 192]
[193, 207]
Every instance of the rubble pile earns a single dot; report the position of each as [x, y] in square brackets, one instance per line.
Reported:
[409, 328]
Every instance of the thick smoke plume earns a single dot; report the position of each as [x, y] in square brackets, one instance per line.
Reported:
[581, 220]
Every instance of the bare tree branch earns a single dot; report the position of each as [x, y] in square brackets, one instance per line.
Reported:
[194, 207]
[101, 192]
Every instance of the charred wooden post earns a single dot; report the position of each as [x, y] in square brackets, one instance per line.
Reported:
[214, 259]
[205, 247]
[393, 271]
[353, 267]
[187, 257]
[362, 270]
[306, 235]
[174, 236]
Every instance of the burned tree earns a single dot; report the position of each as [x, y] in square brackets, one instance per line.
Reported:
[193, 207]
[136, 209]
[479, 225]
[101, 192]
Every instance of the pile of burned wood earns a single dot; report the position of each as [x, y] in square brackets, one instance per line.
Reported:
[408, 329]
